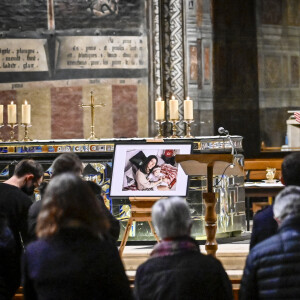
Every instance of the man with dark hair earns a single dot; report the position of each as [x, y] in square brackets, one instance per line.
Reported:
[66, 162]
[14, 204]
[264, 224]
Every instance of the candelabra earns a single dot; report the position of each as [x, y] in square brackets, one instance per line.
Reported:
[26, 138]
[188, 128]
[174, 128]
[12, 132]
[160, 129]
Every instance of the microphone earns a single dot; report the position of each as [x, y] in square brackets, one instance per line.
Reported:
[222, 130]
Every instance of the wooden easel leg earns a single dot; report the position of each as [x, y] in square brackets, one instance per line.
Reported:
[125, 236]
[211, 245]
[153, 231]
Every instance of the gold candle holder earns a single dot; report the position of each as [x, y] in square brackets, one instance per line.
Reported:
[188, 128]
[1, 125]
[12, 132]
[174, 129]
[26, 138]
[160, 129]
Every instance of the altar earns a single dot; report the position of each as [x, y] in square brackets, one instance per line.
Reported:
[97, 156]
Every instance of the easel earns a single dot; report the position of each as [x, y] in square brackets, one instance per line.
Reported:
[208, 164]
[140, 212]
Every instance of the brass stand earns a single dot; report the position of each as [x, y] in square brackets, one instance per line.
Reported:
[174, 129]
[188, 128]
[12, 132]
[92, 106]
[1, 125]
[26, 138]
[160, 129]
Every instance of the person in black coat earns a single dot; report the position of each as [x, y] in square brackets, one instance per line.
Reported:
[264, 224]
[8, 257]
[273, 266]
[71, 259]
[14, 205]
[176, 268]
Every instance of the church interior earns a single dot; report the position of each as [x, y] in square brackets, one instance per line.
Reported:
[220, 76]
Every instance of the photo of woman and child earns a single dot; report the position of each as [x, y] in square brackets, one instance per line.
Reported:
[149, 173]
[149, 176]
[148, 170]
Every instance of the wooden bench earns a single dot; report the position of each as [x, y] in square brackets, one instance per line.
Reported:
[255, 169]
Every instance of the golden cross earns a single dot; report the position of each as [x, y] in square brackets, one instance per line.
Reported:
[92, 105]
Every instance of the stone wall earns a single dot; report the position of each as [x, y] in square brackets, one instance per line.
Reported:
[54, 53]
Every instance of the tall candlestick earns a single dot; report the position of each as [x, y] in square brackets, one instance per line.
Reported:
[173, 108]
[159, 109]
[26, 113]
[11, 113]
[188, 109]
[1, 114]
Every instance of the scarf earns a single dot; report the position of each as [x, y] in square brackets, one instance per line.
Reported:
[169, 247]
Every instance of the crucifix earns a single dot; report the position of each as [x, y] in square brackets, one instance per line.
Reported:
[92, 105]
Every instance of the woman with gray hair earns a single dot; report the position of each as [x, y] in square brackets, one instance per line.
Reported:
[273, 266]
[176, 268]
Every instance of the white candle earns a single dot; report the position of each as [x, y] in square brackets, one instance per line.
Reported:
[1, 114]
[188, 109]
[26, 113]
[173, 103]
[12, 113]
[159, 109]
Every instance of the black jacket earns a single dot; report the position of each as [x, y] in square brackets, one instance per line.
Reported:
[264, 226]
[9, 275]
[273, 266]
[14, 205]
[74, 264]
[184, 276]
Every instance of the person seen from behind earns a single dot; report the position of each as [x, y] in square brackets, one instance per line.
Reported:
[176, 269]
[272, 268]
[71, 259]
[264, 224]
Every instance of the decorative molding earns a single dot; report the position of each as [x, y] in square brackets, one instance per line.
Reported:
[156, 48]
[177, 56]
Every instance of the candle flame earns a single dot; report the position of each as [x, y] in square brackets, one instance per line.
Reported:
[12, 102]
[187, 98]
[159, 99]
[26, 102]
[173, 97]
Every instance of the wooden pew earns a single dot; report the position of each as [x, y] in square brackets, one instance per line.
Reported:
[255, 169]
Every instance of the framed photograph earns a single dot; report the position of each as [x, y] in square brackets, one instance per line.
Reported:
[148, 170]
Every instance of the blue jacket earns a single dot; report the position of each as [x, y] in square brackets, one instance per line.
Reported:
[74, 264]
[273, 266]
[264, 226]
